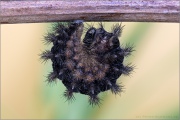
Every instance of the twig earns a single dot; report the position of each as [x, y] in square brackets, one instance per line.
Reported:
[93, 10]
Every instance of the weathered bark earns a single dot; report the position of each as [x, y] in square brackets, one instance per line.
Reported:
[93, 10]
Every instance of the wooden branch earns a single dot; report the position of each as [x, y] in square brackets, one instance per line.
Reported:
[33, 11]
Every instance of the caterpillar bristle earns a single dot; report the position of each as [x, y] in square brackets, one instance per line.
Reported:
[51, 77]
[46, 55]
[94, 100]
[78, 74]
[92, 89]
[70, 44]
[100, 74]
[109, 83]
[73, 86]
[127, 50]
[59, 26]
[127, 69]
[116, 89]
[68, 94]
[101, 25]
[49, 38]
[69, 53]
[116, 70]
[70, 64]
[117, 30]
[89, 77]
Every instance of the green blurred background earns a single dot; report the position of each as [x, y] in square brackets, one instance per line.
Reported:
[151, 92]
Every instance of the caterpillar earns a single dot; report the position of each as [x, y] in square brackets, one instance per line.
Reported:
[88, 66]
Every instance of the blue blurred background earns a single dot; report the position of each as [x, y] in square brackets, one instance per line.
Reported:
[151, 92]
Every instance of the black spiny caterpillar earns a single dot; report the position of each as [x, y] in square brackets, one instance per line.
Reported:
[90, 66]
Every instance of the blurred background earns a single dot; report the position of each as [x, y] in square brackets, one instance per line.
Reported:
[151, 91]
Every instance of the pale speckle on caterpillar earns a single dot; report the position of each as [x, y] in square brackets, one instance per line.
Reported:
[87, 66]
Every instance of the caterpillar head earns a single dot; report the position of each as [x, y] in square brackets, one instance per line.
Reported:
[101, 41]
